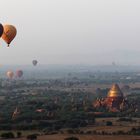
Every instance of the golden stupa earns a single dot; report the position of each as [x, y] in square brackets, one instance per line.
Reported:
[115, 91]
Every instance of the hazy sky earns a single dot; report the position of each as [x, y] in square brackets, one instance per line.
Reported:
[72, 31]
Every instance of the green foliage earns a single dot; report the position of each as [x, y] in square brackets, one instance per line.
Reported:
[7, 135]
[71, 138]
[32, 137]
[109, 123]
[19, 134]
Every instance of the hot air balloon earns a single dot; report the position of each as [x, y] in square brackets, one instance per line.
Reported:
[9, 33]
[10, 74]
[34, 62]
[19, 73]
[1, 30]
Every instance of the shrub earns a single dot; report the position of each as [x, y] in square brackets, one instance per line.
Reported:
[108, 123]
[94, 132]
[7, 135]
[19, 134]
[70, 131]
[71, 138]
[81, 132]
[89, 132]
[32, 137]
[120, 132]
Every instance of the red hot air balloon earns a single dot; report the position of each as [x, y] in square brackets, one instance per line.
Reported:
[1, 30]
[19, 73]
[34, 62]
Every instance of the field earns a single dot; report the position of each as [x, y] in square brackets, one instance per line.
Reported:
[85, 137]
[98, 127]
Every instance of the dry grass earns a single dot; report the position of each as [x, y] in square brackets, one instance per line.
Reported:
[86, 137]
[117, 125]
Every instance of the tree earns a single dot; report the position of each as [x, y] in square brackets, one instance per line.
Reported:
[71, 138]
[19, 134]
[108, 123]
[7, 135]
[32, 137]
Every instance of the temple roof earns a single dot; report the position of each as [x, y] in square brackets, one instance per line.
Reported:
[115, 91]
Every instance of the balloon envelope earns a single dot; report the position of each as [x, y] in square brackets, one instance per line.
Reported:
[19, 73]
[1, 30]
[10, 74]
[9, 33]
[34, 62]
